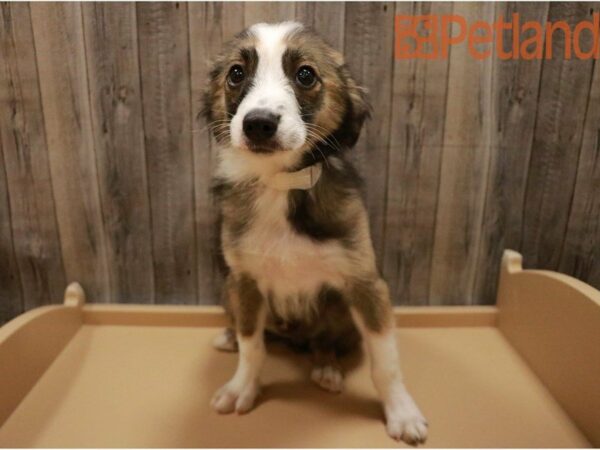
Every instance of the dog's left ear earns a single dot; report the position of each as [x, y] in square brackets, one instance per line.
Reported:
[357, 110]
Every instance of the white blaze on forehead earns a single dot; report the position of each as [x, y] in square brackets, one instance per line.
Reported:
[271, 37]
[270, 47]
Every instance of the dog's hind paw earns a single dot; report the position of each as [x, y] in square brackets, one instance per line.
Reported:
[226, 341]
[329, 378]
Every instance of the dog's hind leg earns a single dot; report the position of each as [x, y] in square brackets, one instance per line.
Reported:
[226, 341]
[326, 371]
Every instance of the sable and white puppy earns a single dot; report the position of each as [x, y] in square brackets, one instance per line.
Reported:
[294, 231]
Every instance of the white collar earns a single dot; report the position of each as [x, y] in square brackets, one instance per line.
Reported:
[302, 179]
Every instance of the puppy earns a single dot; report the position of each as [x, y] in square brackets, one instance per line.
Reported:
[284, 110]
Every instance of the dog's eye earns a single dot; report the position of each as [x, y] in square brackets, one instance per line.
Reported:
[236, 75]
[306, 77]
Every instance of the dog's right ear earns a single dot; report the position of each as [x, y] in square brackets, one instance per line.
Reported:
[213, 101]
[358, 109]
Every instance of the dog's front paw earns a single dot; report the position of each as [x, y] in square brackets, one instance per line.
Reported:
[329, 378]
[407, 424]
[236, 397]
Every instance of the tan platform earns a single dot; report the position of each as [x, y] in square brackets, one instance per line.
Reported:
[523, 374]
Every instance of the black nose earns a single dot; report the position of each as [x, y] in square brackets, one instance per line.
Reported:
[260, 125]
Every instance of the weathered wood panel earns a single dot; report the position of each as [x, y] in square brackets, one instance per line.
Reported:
[59, 43]
[516, 88]
[115, 99]
[417, 117]
[33, 219]
[563, 97]
[206, 35]
[11, 300]
[164, 62]
[210, 26]
[256, 12]
[106, 164]
[369, 54]
[581, 250]
[466, 154]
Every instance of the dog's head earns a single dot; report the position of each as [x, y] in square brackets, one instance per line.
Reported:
[278, 94]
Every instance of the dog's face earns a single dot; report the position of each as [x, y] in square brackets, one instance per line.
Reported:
[277, 91]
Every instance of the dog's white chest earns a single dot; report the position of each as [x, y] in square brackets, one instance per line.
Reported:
[290, 267]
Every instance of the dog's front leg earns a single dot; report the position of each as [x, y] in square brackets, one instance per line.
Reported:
[372, 312]
[239, 394]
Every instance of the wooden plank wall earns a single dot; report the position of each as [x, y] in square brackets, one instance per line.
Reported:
[105, 163]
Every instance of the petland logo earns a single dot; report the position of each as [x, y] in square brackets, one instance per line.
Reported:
[430, 37]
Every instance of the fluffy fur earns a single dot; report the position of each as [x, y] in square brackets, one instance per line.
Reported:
[300, 262]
